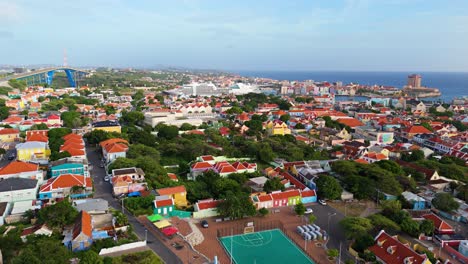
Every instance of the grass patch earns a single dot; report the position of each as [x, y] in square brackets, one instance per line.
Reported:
[138, 257]
[354, 209]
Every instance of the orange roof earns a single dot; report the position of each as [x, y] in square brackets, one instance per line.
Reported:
[418, 130]
[172, 176]
[66, 181]
[351, 122]
[8, 131]
[165, 202]
[17, 167]
[37, 137]
[113, 141]
[202, 165]
[83, 225]
[71, 146]
[171, 190]
[439, 224]
[400, 251]
[71, 135]
[362, 161]
[75, 152]
[115, 147]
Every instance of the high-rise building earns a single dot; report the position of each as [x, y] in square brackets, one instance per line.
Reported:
[414, 80]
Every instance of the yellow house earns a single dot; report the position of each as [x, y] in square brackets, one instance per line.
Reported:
[9, 135]
[32, 150]
[277, 128]
[108, 126]
[344, 134]
[178, 193]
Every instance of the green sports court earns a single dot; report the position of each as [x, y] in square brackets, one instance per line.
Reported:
[265, 247]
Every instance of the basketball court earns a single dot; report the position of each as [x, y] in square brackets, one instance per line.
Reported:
[265, 247]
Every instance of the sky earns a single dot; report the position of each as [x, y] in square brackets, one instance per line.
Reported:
[344, 35]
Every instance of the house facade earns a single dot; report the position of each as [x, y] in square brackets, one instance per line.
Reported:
[178, 193]
[163, 205]
[62, 186]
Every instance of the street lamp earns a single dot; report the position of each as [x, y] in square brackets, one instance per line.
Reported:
[146, 235]
[328, 223]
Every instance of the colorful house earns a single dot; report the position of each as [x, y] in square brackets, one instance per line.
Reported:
[9, 135]
[62, 186]
[308, 196]
[441, 227]
[263, 201]
[388, 249]
[279, 199]
[20, 169]
[32, 151]
[294, 197]
[416, 201]
[205, 208]
[80, 237]
[68, 168]
[163, 205]
[178, 193]
[277, 127]
[108, 126]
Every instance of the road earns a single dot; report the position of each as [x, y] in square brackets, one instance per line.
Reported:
[333, 228]
[103, 190]
[5, 161]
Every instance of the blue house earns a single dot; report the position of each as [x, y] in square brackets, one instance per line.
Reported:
[417, 202]
[68, 168]
[308, 196]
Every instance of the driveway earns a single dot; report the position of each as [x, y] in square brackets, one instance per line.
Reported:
[103, 190]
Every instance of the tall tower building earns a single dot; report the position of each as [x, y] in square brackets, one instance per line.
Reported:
[414, 80]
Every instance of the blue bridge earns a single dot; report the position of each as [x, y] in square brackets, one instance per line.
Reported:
[45, 76]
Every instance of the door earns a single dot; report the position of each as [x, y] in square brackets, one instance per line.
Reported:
[165, 210]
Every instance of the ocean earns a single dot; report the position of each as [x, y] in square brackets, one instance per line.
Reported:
[450, 84]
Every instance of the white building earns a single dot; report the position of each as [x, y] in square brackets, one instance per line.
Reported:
[18, 189]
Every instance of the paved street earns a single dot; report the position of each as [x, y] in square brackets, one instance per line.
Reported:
[334, 230]
[104, 190]
[5, 161]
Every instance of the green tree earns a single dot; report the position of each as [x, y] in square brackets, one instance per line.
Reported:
[445, 202]
[71, 119]
[299, 209]
[58, 215]
[427, 227]
[40, 126]
[263, 211]
[91, 257]
[236, 206]
[356, 226]
[43, 249]
[328, 187]
[186, 126]
[381, 222]
[4, 112]
[390, 207]
[168, 132]
[299, 126]
[332, 253]
[140, 150]
[132, 117]
[234, 110]
[312, 219]
[254, 125]
[266, 154]
[363, 242]
[273, 185]
[415, 155]
[285, 117]
[427, 126]
[410, 226]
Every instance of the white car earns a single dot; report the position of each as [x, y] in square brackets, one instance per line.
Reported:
[309, 211]
[322, 202]
[107, 178]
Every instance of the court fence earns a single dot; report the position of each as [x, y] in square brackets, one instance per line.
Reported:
[259, 225]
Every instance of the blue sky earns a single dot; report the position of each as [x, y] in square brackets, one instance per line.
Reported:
[358, 35]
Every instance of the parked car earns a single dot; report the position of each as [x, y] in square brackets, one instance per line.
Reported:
[204, 224]
[322, 202]
[11, 156]
[107, 178]
[309, 210]
[101, 165]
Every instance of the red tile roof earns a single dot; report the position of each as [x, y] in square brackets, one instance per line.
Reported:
[116, 147]
[418, 130]
[392, 251]
[165, 202]
[83, 225]
[202, 165]
[66, 181]
[112, 141]
[351, 122]
[15, 167]
[37, 137]
[8, 131]
[207, 204]
[207, 158]
[439, 224]
[308, 193]
[171, 190]
[265, 198]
